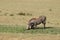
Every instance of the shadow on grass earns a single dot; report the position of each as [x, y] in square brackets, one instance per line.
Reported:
[45, 27]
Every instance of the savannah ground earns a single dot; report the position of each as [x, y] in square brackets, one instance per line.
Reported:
[9, 15]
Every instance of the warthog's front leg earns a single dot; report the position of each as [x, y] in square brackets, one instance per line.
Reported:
[32, 27]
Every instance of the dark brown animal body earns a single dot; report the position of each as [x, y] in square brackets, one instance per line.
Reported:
[36, 21]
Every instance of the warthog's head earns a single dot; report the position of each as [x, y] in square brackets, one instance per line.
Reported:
[31, 24]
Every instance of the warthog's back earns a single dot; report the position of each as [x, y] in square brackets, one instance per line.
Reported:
[33, 20]
[38, 20]
[41, 19]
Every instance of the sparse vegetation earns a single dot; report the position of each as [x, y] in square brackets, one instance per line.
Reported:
[24, 14]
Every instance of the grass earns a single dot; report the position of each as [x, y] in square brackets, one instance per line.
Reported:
[22, 29]
[11, 29]
[29, 9]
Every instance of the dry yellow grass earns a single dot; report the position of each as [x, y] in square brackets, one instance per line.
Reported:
[49, 8]
[28, 37]
[36, 8]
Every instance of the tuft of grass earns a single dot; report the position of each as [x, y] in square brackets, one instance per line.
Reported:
[11, 14]
[50, 9]
[22, 29]
[21, 13]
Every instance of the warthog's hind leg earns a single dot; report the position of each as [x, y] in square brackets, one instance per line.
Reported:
[44, 23]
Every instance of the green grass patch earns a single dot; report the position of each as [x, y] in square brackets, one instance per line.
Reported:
[11, 29]
[22, 29]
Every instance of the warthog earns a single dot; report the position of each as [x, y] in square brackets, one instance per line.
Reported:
[36, 21]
